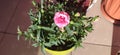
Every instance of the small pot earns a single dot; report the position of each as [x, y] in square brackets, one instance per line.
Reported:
[110, 9]
[64, 52]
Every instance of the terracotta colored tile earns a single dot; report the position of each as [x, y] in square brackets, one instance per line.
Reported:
[115, 50]
[21, 17]
[116, 35]
[7, 8]
[116, 40]
[11, 46]
[92, 49]
[1, 36]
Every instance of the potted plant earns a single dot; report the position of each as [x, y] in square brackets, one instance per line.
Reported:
[58, 25]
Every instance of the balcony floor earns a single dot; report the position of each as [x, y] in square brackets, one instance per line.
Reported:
[104, 40]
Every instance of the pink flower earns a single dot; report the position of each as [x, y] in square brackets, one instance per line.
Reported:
[61, 19]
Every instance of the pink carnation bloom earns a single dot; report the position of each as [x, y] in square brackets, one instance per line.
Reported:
[61, 19]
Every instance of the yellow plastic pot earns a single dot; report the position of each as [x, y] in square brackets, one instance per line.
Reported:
[65, 52]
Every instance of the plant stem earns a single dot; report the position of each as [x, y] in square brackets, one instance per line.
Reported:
[42, 3]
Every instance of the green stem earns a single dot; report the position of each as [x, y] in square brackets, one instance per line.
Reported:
[42, 3]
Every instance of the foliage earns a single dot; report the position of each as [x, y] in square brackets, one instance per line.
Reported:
[45, 33]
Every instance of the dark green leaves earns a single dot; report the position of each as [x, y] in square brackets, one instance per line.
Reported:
[89, 28]
[35, 44]
[47, 29]
[69, 31]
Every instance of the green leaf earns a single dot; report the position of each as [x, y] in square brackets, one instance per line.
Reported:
[94, 18]
[35, 44]
[77, 14]
[89, 28]
[38, 36]
[30, 12]
[39, 16]
[35, 27]
[76, 24]
[34, 3]
[58, 42]
[31, 35]
[53, 25]
[19, 32]
[62, 41]
[55, 43]
[32, 17]
[78, 43]
[43, 49]
[70, 32]
[26, 35]
[48, 44]
[18, 37]
[47, 29]
[42, 11]
[42, 1]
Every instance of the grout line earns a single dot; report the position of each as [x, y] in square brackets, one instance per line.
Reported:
[2, 38]
[97, 44]
[11, 18]
[8, 33]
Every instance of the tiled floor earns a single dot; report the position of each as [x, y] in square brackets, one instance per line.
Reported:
[7, 10]
[116, 40]
[92, 49]
[104, 40]
[98, 42]
[20, 17]
[11, 46]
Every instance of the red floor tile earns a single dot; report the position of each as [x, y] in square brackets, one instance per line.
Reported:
[116, 40]
[11, 46]
[116, 35]
[1, 36]
[21, 17]
[7, 8]
[115, 51]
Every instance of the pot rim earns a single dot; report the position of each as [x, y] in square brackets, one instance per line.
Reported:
[61, 50]
[108, 17]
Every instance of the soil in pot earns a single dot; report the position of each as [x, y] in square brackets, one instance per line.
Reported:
[62, 47]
